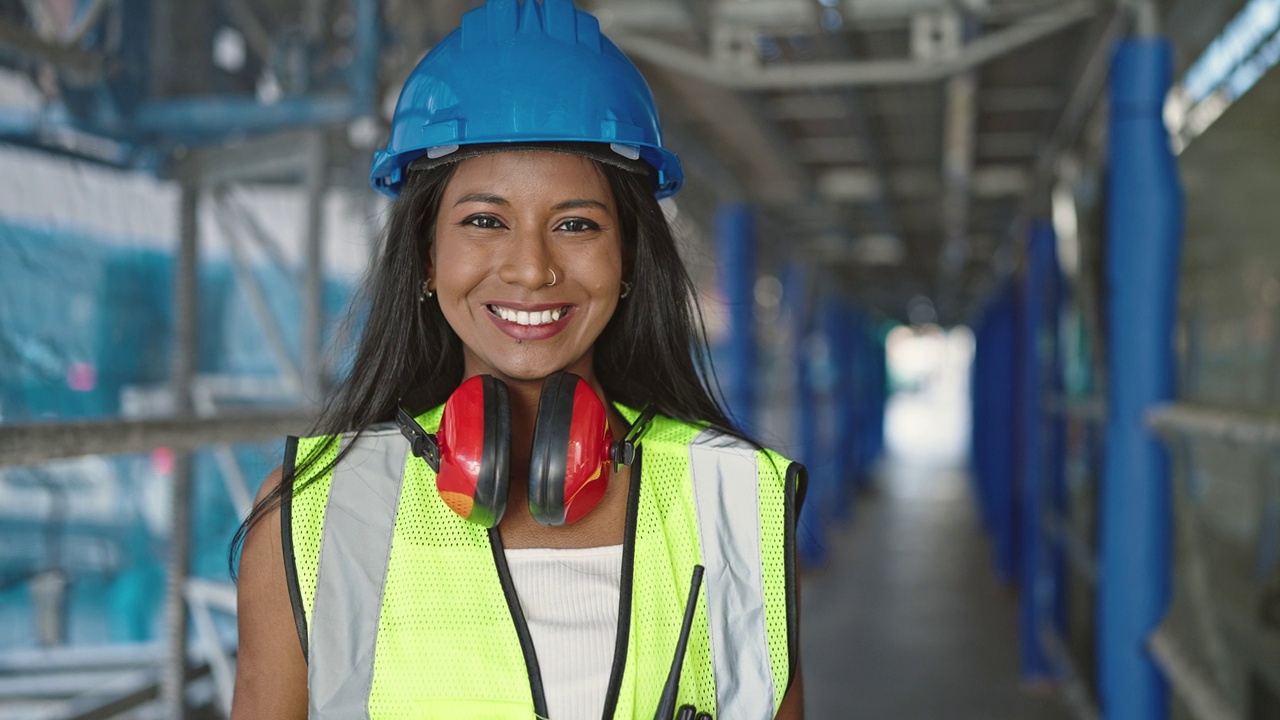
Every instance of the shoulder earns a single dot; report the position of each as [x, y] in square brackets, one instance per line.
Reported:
[700, 441]
[271, 672]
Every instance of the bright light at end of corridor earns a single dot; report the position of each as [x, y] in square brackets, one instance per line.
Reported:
[927, 419]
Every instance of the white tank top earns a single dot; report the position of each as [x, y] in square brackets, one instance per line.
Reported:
[570, 602]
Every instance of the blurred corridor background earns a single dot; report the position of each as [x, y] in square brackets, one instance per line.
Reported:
[1004, 274]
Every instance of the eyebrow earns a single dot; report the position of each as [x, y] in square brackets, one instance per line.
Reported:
[482, 198]
[572, 204]
[499, 200]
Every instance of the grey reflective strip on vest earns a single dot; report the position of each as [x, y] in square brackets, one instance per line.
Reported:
[725, 494]
[354, 550]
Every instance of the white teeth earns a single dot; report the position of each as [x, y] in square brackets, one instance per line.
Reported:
[529, 319]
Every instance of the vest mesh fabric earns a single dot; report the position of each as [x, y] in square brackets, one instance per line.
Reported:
[310, 497]
[442, 584]
[773, 530]
[666, 549]
[442, 590]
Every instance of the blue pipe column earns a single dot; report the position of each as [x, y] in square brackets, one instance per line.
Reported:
[994, 419]
[811, 543]
[1034, 659]
[1055, 464]
[878, 398]
[996, 395]
[872, 392]
[1143, 251]
[979, 428]
[839, 328]
[735, 243]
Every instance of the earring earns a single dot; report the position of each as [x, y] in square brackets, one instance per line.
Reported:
[626, 289]
[426, 291]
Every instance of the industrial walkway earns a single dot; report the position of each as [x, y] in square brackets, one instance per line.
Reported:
[908, 621]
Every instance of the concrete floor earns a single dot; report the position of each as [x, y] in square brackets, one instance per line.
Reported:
[907, 621]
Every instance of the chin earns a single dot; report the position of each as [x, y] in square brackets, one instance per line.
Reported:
[540, 370]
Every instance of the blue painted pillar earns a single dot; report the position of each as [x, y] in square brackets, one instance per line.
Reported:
[870, 388]
[736, 272]
[810, 531]
[879, 397]
[1055, 428]
[1034, 659]
[1143, 249]
[995, 420]
[839, 327]
[1001, 397]
[979, 429]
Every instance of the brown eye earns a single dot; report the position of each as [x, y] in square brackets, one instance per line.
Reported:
[484, 222]
[577, 225]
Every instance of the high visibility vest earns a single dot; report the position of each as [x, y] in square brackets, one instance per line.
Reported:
[405, 610]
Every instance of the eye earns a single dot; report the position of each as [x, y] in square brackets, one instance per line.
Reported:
[578, 225]
[484, 222]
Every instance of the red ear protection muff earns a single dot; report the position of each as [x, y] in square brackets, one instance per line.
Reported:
[572, 458]
[475, 450]
[569, 466]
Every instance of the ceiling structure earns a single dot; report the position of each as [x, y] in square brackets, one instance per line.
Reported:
[892, 143]
[896, 145]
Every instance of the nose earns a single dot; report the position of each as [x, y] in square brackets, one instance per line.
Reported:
[527, 262]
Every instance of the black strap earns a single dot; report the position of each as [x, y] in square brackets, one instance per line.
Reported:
[623, 451]
[422, 443]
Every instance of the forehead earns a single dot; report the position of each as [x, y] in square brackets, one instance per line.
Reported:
[530, 173]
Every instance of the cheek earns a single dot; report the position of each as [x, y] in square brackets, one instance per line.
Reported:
[454, 266]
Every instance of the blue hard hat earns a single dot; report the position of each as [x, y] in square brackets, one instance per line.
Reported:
[522, 72]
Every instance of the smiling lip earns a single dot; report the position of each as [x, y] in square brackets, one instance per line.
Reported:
[531, 332]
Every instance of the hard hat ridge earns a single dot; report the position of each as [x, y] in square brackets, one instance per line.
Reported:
[525, 72]
[500, 21]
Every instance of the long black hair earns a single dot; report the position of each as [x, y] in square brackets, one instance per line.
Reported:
[653, 349]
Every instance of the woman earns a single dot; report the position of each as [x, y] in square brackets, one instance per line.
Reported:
[458, 565]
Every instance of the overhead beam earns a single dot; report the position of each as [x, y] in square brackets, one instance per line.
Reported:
[838, 150]
[811, 106]
[280, 157]
[855, 73]
[865, 14]
[864, 185]
[34, 443]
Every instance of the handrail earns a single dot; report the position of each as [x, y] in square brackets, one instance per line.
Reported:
[32, 443]
[1197, 692]
[1215, 423]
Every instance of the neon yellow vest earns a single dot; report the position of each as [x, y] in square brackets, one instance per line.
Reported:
[405, 610]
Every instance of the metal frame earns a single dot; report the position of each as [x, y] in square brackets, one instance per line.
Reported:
[31, 444]
[854, 73]
[1212, 423]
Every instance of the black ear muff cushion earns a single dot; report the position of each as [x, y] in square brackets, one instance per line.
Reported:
[551, 448]
[495, 459]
